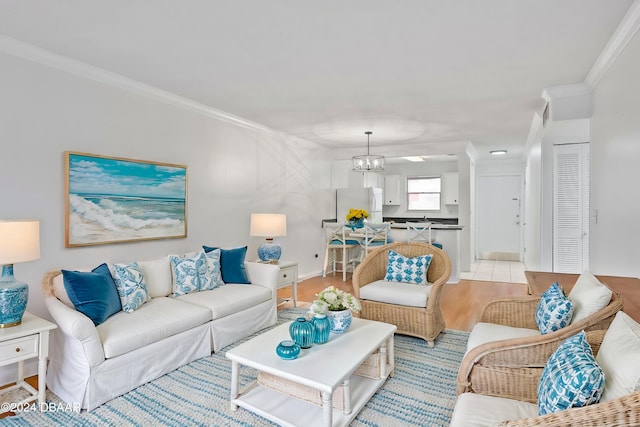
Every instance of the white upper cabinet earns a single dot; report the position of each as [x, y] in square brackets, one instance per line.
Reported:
[392, 193]
[450, 188]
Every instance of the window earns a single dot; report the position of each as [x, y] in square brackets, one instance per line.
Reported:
[423, 193]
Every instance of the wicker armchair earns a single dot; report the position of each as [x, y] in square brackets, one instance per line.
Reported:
[512, 367]
[423, 322]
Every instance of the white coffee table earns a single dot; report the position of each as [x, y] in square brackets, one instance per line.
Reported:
[323, 369]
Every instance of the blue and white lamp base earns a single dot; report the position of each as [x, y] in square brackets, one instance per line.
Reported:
[269, 251]
[13, 298]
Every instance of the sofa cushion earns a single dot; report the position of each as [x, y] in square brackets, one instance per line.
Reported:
[588, 296]
[474, 409]
[229, 299]
[571, 378]
[232, 264]
[408, 294]
[131, 286]
[157, 319]
[618, 357]
[157, 276]
[488, 332]
[554, 311]
[189, 273]
[93, 293]
[213, 266]
[408, 270]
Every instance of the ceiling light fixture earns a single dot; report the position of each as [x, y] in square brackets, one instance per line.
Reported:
[498, 152]
[368, 163]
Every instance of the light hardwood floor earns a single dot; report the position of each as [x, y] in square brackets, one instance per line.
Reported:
[460, 303]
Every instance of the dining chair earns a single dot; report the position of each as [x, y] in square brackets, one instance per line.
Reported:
[375, 235]
[339, 249]
[419, 232]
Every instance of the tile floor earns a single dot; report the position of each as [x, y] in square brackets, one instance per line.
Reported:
[496, 271]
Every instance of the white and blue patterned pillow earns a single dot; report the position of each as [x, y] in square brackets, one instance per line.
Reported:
[213, 266]
[131, 286]
[571, 377]
[190, 273]
[407, 270]
[554, 310]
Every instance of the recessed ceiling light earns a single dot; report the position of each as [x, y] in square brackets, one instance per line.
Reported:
[498, 152]
[414, 158]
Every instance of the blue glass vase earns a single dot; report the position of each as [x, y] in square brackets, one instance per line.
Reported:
[323, 328]
[302, 332]
[288, 350]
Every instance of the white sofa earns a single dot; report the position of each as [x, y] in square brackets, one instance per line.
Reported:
[92, 364]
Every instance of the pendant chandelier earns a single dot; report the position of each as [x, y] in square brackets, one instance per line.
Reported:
[368, 163]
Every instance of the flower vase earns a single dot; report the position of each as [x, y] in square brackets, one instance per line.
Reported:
[340, 320]
[302, 332]
[323, 327]
[356, 223]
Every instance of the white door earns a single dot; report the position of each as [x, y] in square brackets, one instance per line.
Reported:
[498, 222]
[571, 208]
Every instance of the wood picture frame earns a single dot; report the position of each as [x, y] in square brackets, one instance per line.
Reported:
[115, 200]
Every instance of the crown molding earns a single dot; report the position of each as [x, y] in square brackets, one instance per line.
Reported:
[47, 58]
[621, 37]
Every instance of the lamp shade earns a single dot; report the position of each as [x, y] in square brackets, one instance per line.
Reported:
[268, 225]
[19, 241]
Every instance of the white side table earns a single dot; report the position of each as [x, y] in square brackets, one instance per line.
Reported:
[289, 276]
[28, 340]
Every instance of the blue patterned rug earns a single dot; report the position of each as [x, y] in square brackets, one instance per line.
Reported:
[421, 393]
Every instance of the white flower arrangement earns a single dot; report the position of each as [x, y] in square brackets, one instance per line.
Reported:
[333, 299]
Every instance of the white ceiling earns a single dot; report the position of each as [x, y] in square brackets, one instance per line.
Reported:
[426, 76]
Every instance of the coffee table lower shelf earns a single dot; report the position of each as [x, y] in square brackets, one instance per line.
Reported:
[287, 411]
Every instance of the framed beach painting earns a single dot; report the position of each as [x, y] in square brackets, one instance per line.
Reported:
[113, 200]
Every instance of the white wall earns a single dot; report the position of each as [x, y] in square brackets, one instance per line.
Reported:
[532, 207]
[615, 168]
[233, 170]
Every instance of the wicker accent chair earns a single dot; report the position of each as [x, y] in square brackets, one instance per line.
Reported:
[512, 367]
[423, 322]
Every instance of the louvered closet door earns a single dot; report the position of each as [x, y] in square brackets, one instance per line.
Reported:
[571, 208]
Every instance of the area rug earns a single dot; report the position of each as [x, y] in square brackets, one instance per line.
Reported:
[421, 392]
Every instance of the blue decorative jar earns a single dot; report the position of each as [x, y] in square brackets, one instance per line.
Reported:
[288, 350]
[323, 328]
[356, 223]
[340, 320]
[302, 332]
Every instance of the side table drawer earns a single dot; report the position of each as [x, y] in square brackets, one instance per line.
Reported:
[287, 275]
[19, 349]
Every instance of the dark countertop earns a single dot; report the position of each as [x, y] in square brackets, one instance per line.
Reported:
[403, 220]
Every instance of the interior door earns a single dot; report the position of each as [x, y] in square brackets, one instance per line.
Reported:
[498, 217]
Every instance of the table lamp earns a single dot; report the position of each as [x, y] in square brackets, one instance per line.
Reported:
[19, 242]
[269, 226]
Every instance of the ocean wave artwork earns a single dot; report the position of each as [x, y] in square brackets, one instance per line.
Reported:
[116, 200]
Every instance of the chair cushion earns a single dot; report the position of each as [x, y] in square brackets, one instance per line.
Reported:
[232, 264]
[554, 310]
[407, 270]
[229, 299]
[157, 276]
[571, 378]
[408, 294]
[618, 357]
[131, 286]
[488, 332]
[93, 293]
[588, 296]
[157, 319]
[479, 410]
[347, 242]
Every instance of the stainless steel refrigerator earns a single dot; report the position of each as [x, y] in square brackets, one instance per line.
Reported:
[359, 198]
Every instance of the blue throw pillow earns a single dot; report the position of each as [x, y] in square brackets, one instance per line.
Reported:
[232, 264]
[407, 270]
[571, 378]
[131, 286]
[554, 311]
[93, 293]
[190, 274]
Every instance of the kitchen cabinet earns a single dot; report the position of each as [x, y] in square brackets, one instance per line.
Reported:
[450, 188]
[392, 193]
